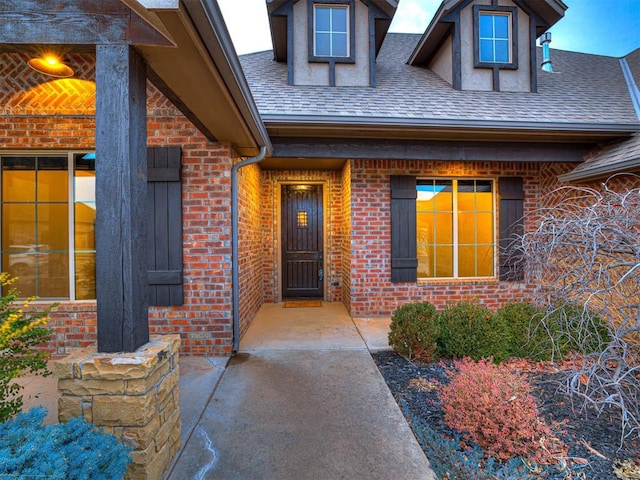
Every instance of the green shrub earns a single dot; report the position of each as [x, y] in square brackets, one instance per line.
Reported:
[21, 331]
[529, 335]
[63, 451]
[413, 332]
[575, 329]
[494, 408]
[471, 330]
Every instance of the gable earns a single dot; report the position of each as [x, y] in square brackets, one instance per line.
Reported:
[453, 45]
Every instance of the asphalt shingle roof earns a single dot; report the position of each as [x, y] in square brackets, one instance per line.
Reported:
[585, 89]
[621, 156]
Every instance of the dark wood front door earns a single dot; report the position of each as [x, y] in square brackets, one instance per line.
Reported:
[302, 236]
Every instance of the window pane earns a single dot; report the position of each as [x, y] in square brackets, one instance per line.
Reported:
[18, 179]
[466, 229]
[85, 276]
[53, 226]
[467, 261]
[501, 23]
[485, 261]
[486, 26]
[323, 19]
[425, 228]
[23, 266]
[323, 44]
[444, 262]
[486, 51]
[502, 51]
[53, 275]
[339, 19]
[425, 261]
[444, 199]
[484, 202]
[18, 226]
[85, 222]
[466, 201]
[484, 228]
[340, 48]
[444, 228]
[85, 186]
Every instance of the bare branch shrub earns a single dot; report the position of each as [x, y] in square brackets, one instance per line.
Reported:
[584, 256]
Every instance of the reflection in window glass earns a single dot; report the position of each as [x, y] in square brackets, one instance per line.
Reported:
[331, 32]
[84, 206]
[35, 224]
[455, 225]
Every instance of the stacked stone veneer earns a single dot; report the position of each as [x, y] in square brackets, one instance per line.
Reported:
[131, 395]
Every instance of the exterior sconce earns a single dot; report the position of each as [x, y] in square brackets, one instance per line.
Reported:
[51, 65]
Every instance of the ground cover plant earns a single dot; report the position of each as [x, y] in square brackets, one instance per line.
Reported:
[592, 450]
[62, 451]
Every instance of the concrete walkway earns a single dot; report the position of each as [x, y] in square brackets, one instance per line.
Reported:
[302, 400]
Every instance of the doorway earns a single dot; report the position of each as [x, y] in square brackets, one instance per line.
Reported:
[302, 241]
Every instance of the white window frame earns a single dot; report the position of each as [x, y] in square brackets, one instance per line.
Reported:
[493, 38]
[455, 243]
[331, 32]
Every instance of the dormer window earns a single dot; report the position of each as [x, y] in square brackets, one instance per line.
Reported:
[331, 31]
[495, 35]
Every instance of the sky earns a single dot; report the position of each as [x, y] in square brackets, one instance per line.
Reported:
[602, 27]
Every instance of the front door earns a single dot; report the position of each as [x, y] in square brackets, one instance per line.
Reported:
[302, 236]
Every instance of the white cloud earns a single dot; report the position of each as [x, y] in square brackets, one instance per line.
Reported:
[248, 24]
[413, 16]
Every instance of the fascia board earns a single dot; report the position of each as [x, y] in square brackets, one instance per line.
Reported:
[582, 174]
[361, 121]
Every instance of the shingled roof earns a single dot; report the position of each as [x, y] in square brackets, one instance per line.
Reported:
[584, 90]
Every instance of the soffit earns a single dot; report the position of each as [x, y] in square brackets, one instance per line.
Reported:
[198, 72]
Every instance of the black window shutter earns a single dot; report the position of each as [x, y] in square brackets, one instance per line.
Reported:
[511, 227]
[404, 255]
[164, 210]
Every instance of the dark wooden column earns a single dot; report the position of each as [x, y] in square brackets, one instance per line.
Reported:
[121, 194]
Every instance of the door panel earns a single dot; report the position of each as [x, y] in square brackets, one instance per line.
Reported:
[302, 241]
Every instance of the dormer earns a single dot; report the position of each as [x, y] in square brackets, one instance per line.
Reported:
[329, 42]
[487, 45]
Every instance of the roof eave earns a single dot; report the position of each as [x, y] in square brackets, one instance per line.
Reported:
[398, 127]
[203, 73]
[602, 171]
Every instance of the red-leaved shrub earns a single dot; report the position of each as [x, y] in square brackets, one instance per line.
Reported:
[493, 407]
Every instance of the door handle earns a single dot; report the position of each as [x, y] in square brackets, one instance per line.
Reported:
[320, 274]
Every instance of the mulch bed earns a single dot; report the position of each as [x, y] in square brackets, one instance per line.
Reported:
[594, 442]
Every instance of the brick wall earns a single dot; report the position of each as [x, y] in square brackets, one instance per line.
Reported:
[250, 243]
[346, 236]
[38, 113]
[271, 181]
[372, 293]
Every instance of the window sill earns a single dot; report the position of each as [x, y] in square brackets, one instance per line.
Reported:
[458, 281]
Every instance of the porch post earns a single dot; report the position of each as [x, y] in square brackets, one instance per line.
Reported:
[121, 192]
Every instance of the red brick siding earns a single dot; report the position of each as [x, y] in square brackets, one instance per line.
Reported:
[333, 248]
[250, 255]
[346, 235]
[372, 293]
[37, 113]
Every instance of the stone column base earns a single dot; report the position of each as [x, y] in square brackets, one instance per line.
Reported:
[131, 395]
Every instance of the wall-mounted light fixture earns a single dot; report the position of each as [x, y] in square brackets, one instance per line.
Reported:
[52, 65]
